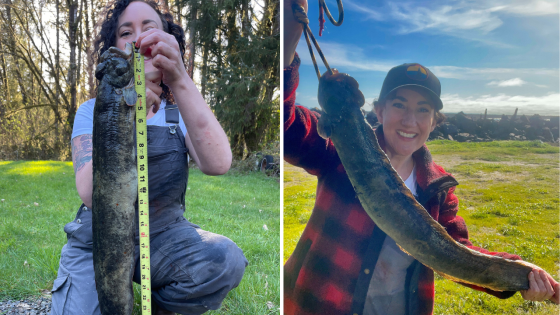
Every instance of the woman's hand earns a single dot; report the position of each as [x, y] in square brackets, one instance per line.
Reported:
[153, 90]
[206, 140]
[541, 287]
[292, 30]
[165, 53]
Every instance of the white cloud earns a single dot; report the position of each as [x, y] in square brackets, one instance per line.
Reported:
[353, 57]
[415, 17]
[471, 20]
[447, 19]
[508, 83]
[464, 73]
[502, 104]
[530, 7]
[369, 13]
[341, 56]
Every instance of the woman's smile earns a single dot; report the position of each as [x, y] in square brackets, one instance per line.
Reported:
[407, 122]
[407, 135]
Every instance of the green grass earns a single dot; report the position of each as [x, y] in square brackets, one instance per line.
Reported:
[509, 198]
[234, 205]
[299, 198]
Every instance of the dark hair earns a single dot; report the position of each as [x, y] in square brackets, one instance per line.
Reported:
[107, 35]
[438, 116]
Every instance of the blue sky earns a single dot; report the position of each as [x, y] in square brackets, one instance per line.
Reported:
[492, 54]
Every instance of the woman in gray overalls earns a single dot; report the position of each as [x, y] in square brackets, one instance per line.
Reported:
[192, 270]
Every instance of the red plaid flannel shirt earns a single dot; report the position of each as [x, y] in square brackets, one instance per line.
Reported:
[331, 267]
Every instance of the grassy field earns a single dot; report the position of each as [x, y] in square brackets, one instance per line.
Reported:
[509, 197]
[38, 198]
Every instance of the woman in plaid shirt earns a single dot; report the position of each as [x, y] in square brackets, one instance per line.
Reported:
[342, 263]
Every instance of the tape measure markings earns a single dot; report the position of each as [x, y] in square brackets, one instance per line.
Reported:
[142, 166]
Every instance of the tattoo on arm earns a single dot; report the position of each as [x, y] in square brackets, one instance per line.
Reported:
[81, 151]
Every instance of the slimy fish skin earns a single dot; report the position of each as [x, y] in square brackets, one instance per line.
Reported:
[114, 182]
[390, 204]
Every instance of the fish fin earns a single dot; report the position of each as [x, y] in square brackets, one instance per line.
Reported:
[404, 251]
[324, 127]
[100, 71]
[130, 95]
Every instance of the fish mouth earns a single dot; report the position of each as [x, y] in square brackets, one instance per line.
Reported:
[128, 51]
[112, 52]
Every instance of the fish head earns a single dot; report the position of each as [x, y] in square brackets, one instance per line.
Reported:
[338, 93]
[116, 66]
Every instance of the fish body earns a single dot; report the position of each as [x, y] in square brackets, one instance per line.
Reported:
[114, 182]
[390, 204]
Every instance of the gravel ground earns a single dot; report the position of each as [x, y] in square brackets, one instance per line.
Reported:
[32, 306]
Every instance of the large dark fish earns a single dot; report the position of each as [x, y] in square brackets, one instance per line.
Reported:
[114, 182]
[390, 204]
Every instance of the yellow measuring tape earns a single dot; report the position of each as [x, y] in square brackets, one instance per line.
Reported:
[142, 164]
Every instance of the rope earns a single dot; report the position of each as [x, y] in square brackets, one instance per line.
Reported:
[301, 17]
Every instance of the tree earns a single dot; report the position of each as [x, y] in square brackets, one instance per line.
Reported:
[239, 54]
[38, 115]
[45, 69]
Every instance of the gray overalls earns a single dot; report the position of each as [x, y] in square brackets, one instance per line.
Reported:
[192, 270]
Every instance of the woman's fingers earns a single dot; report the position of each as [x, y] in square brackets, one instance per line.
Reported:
[555, 289]
[541, 287]
[292, 30]
[152, 37]
[154, 76]
[153, 91]
[556, 297]
[549, 290]
[165, 53]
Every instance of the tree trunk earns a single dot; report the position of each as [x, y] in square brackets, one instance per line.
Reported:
[178, 5]
[89, 43]
[204, 69]
[57, 67]
[5, 82]
[13, 49]
[72, 75]
[192, 39]
[237, 146]
[245, 18]
[80, 44]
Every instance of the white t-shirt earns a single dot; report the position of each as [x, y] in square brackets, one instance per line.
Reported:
[83, 122]
[386, 295]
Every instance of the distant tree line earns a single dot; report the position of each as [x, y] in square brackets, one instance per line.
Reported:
[46, 72]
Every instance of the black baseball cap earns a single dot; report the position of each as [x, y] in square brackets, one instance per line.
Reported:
[412, 74]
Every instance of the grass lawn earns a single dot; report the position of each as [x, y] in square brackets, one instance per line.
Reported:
[509, 197]
[39, 198]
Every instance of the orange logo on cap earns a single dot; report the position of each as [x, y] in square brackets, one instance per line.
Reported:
[417, 72]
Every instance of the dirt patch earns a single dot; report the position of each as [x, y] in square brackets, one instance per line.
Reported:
[499, 176]
[450, 161]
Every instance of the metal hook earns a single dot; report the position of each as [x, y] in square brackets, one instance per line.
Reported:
[340, 12]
